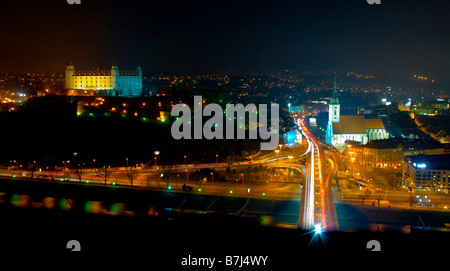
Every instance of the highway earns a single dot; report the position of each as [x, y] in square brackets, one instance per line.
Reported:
[317, 210]
[150, 179]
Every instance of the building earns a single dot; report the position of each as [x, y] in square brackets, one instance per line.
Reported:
[112, 82]
[341, 128]
[389, 152]
[292, 137]
[418, 147]
[382, 153]
[374, 154]
[428, 172]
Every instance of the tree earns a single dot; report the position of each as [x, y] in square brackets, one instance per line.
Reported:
[131, 173]
[32, 168]
[79, 171]
[365, 195]
[412, 201]
[105, 172]
[166, 176]
[379, 196]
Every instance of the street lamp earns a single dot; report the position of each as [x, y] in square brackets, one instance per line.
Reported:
[75, 158]
[290, 164]
[276, 161]
[156, 155]
[185, 159]
[17, 166]
[64, 170]
[217, 156]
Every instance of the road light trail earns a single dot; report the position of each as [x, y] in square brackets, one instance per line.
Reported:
[308, 195]
[317, 205]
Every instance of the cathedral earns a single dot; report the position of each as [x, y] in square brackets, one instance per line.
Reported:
[350, 127]
[112, 82]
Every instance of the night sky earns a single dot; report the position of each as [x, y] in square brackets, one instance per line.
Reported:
[399, 37]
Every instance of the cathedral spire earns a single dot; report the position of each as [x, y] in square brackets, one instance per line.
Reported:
[334, 113]
[334, 98]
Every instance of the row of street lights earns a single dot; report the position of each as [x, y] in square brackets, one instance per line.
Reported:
[156, 153]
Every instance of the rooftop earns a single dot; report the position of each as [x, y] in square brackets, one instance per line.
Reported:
[408, 144]
[92, 72]
[350, 124]
[374, 124]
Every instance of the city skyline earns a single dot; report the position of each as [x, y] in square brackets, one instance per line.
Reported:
[144, 127]
[397, 38]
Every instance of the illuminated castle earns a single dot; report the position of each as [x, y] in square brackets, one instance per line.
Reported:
[103, 82]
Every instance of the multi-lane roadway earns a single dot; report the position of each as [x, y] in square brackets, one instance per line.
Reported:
[317, 210]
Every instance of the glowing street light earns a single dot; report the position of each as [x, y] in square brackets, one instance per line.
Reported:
[156, 155]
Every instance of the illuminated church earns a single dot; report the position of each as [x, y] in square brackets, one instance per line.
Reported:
[112, 82]
[350, 127]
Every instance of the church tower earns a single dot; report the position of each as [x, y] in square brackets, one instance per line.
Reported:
[334, 106]
[333, 114]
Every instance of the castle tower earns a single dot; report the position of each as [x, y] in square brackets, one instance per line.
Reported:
[70, 70]
[139, 70]
[333, 114]
[139, 81]
[114, 78]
